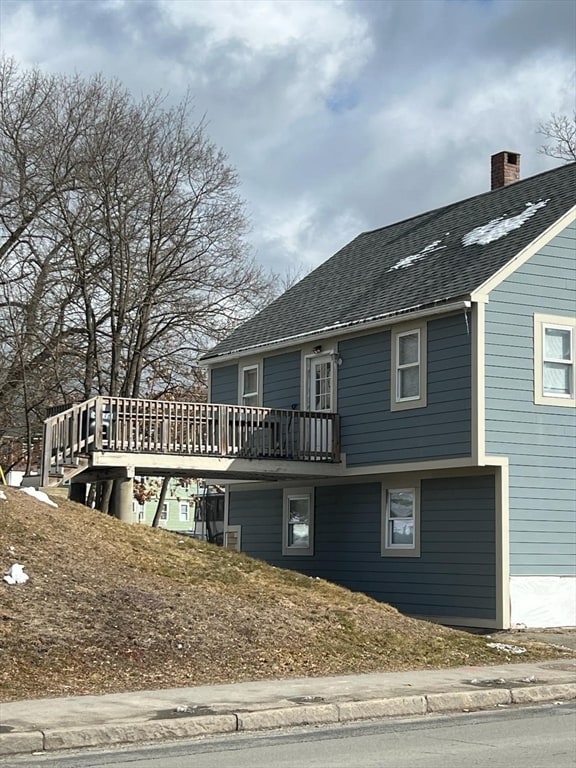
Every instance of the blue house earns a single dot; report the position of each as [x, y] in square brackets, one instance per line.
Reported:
[435, 360]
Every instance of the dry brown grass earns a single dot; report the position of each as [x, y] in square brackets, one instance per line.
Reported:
[111, 607]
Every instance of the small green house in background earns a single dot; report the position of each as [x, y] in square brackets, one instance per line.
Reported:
[191, 506]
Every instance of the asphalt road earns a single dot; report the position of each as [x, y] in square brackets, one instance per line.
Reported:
[542, 737]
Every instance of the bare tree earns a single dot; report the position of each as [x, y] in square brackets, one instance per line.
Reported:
[122, 250]
[560, 134]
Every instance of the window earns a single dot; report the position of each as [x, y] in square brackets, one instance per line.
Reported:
[408, 366]
[250, 385]
[401, 522]
[164, 513]
[298, 522]
[408, 385]
[184, 512]
[554, 360]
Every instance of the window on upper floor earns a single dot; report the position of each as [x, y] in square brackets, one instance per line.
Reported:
[184, 512]
[408, 384]
[554, 360]
[249, 385]
[401, 522]
[164, 512]
[298, 522]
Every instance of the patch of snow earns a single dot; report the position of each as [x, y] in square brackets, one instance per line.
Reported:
[15, 575]
[3, 496]
[501, 226]
[514, 649]
[409, 260]
[39, 496]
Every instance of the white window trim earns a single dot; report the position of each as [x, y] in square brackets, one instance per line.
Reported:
[247, 365]
[540, 323]
[290, 493]
[397, 404]
[187, 518]
[396, 550]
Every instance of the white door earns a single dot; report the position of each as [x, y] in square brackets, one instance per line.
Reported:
[320, 383]
[320, 397]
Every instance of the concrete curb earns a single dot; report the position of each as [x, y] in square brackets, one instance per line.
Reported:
[128, 733]
[285, 717]
[21, 743]
[78, 737]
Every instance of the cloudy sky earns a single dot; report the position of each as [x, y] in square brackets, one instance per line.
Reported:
[340, 115]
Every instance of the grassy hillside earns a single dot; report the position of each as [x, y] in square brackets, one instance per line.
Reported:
[111, 607]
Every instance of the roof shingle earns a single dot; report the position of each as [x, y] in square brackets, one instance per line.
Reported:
[365, 279]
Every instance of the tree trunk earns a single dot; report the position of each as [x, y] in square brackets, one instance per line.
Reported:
[163, 492]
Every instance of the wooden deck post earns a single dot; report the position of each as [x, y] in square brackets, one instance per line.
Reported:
[223, 430]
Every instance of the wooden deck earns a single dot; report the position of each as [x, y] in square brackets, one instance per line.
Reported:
[116, 431]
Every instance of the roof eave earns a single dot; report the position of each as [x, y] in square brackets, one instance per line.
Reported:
[443, 306]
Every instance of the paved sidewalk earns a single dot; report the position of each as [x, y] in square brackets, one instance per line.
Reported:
[123, 718]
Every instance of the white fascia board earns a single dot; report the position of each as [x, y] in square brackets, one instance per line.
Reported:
[341, 330]
[482, 292]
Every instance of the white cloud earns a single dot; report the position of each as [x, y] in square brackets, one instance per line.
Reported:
[291, 236]
[340, 115]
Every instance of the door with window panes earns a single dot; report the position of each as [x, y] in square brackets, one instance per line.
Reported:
[320, 397]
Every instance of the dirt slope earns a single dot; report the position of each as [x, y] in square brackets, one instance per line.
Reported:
[111, 607]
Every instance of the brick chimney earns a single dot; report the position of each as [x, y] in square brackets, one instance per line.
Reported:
[505, 169]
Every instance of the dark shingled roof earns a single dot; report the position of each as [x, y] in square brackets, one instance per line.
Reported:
[360, 282]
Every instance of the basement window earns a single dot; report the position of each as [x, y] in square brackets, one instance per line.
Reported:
[401, 522]
[298, 522]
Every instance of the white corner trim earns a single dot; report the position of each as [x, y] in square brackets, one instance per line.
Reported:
[502, 530]
[478, 426]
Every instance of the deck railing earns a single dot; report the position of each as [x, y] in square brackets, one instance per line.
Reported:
[131, 425]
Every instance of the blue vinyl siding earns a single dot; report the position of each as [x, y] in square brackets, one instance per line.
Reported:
[282, 381]
[540, 440]
[224, 385]
[455, 575]
[371, 433]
